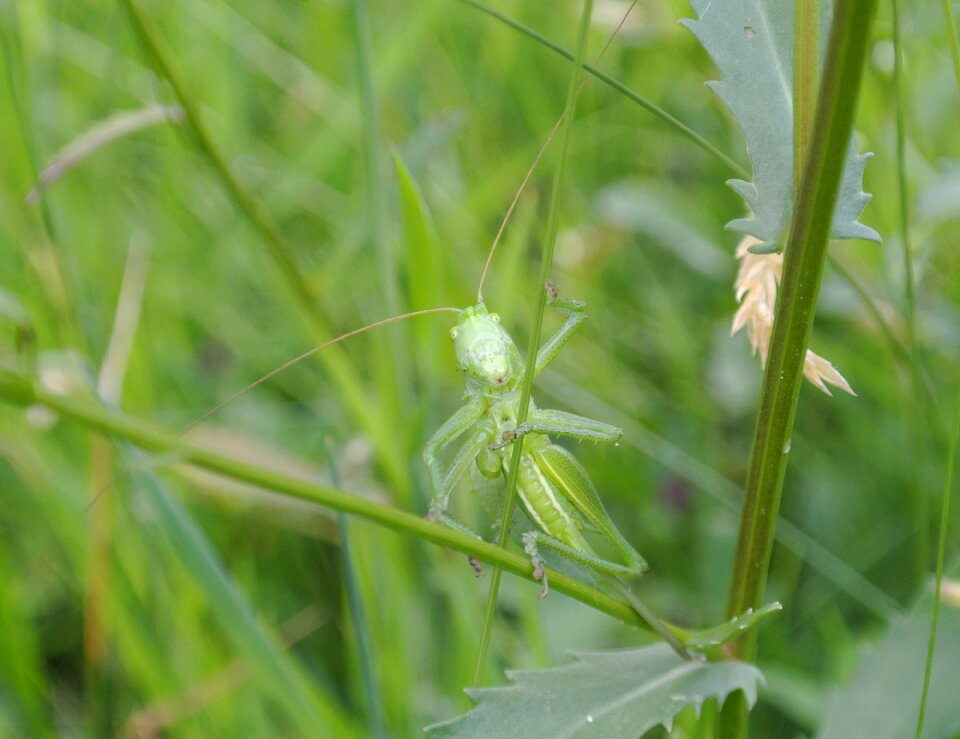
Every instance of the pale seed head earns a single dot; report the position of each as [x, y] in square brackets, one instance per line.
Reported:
[756, 290]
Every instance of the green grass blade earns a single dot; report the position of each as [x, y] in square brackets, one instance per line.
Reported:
[20, 390]
[952, 39]
[941, 556]
[526, 388]
[679, 126]
[273, 668]
[358, 616]
[390, 376]
[343, 374]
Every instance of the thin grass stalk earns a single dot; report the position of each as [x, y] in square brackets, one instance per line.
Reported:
[952, 39]
[803, 268]
[948, 483]
[921, 508]
[276, 672]
[526, 387]
[22, 390]
[343, 374]
[358, 616]
[391, 376]
[651, 107]
[941, 557]
[903, 193]
[735, 169]
[57, 291]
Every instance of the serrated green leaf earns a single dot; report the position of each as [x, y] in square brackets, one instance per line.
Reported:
[609, 694]
[751, 42]
[883, 698]
[720, 634]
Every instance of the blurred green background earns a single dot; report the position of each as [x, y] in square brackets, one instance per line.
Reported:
[105, 627]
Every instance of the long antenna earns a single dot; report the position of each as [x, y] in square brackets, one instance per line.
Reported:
[282, 367]
[536, 160]
[290, 362]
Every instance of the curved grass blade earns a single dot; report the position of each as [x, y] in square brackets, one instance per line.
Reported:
[274, 669]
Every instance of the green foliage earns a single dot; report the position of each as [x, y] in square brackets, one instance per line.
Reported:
[752, 45]
[110, 621]
[882, 698]
[623, 693]
[715, 636]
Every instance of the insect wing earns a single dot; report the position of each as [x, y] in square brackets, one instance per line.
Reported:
[572, 479]
[568, 474]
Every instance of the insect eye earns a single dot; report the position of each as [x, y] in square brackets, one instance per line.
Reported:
[453, 332]
[495, 317]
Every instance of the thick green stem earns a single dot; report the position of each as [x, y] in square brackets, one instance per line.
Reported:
[806, 57]
[803, 267]
[23, 390]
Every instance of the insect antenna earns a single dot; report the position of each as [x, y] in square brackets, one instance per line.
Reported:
[289, 363]
[538, 157]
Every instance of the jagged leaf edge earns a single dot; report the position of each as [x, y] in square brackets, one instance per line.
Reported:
[749, 688]
[716, 636]
[851, 199]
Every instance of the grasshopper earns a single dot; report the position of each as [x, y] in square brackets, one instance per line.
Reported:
[555, 490]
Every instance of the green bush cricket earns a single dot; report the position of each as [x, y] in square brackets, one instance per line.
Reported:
[555, 490]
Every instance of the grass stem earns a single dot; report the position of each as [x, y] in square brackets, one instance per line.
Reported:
[526, 388]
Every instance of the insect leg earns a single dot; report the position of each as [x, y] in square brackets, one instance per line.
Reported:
[576, 313]
[561, 423]
[452, 428]
[534, 539]
[466, 456]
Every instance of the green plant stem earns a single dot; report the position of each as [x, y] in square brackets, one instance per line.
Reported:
[806, 26]
[358, 615]
[526, 387]
[391, 376]
[343, 374]
[941, 557]
[803, 268]
[916, 432]
[58, 291]
[734, 168]
[903, 194]
[647, 105]
[20, 389]
[952, 39]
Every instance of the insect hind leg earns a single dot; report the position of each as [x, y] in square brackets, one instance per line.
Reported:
[576, 314]
[534, 540]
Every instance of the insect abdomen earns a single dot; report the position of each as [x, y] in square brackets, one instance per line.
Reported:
[543, 505]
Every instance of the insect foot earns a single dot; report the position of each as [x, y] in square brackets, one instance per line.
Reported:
[475, 565]
[530, 547]
[506, 438]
